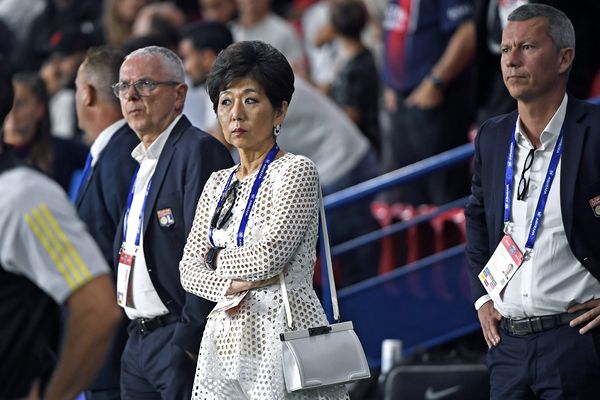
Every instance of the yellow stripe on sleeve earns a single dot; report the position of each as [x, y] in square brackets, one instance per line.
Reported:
[67, 243]
[57, 260]
[37, 216]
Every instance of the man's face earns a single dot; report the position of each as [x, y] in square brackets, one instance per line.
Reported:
[217, 10]
[150, 115]
[532, 66]
[194, 61]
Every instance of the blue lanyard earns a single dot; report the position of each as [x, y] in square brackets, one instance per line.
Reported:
[541, 204]
[253, 193]
[129, 201]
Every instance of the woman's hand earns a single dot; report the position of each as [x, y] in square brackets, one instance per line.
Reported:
[237, 285]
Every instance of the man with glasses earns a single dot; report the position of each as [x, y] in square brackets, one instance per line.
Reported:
[533, 220]
[175, 160]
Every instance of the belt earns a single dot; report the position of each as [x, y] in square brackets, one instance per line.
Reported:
[527, 326]
[147, 325]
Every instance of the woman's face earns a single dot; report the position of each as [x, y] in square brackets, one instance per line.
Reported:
[21, 122]
[247, 117]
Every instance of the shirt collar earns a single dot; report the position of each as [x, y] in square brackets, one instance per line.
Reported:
[103, 139]
[154, 150]
[551, 131]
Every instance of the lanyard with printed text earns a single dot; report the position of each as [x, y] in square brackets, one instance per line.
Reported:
[541, 204]
[129, 201]
[253, 193]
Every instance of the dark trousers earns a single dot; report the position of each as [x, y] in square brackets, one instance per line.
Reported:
[416, 134]
[153, 368]
[555, 364]
[352, 220]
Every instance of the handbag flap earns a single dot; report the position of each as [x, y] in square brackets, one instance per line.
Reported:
[342, 326]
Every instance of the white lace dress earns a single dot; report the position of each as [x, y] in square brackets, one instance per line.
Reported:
[240, 353]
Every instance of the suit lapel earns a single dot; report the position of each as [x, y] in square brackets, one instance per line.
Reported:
[502, 136]
[574, 135]
[83, 187]
[162, 166]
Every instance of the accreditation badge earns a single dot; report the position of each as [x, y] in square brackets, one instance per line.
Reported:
[125, 275]
[501, 267]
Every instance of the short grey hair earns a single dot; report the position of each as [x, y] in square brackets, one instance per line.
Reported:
[171, 62]
[560, 28]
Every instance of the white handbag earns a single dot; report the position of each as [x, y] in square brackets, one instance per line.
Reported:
[323, 355]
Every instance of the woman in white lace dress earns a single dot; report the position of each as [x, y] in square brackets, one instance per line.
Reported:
[253, 222]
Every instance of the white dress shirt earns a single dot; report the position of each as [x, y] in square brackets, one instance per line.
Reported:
[103, 139]
[145, 298]
[552, 279]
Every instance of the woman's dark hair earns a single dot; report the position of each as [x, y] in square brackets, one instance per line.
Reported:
[349, 17]
[252, 59]
[41, 154]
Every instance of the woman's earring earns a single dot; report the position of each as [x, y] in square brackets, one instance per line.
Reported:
[277, 130]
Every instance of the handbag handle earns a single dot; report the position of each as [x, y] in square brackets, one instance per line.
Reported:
[332, 289]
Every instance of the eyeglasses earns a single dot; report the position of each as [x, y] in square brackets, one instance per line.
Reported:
[524, 183]
[143, 87]
[222, 215]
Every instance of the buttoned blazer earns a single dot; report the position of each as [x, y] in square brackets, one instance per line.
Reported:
[186, 162]
[579, 183]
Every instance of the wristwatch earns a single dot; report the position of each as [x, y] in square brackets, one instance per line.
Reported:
[211, 257]
[437, 81]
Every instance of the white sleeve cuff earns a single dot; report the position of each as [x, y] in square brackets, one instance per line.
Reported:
[481, 301]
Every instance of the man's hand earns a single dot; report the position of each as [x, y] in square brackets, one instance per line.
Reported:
[592, 316]
[489, 319]
[425, 96]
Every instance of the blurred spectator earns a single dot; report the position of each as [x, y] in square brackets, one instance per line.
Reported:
[27, 131]
[138, 42]
[68, 47]
[218, 10]
[6, 46]
[118, 18]
[18, 15]
[199, 46]
[428, 52]
[320, 44]
[492, 96]
[58, 14]
[356, 85]
[153, 17]
[315, 127]
[256, 21]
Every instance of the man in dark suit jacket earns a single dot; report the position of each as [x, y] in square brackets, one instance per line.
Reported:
[536, 320]
[102, 194]
[175, 161]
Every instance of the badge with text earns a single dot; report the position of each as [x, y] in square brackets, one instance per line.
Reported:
[501, 267]
[165, 217]
[125, 275]
[595, 204]
[230, 302]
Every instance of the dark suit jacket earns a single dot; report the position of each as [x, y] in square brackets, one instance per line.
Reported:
[103, 196]
[100, 204]
[579, 182]
[187, 160]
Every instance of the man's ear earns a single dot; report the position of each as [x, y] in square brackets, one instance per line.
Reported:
[566, 59]
[89, 95]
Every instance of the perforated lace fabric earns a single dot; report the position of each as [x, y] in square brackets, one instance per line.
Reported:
[240, 353]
